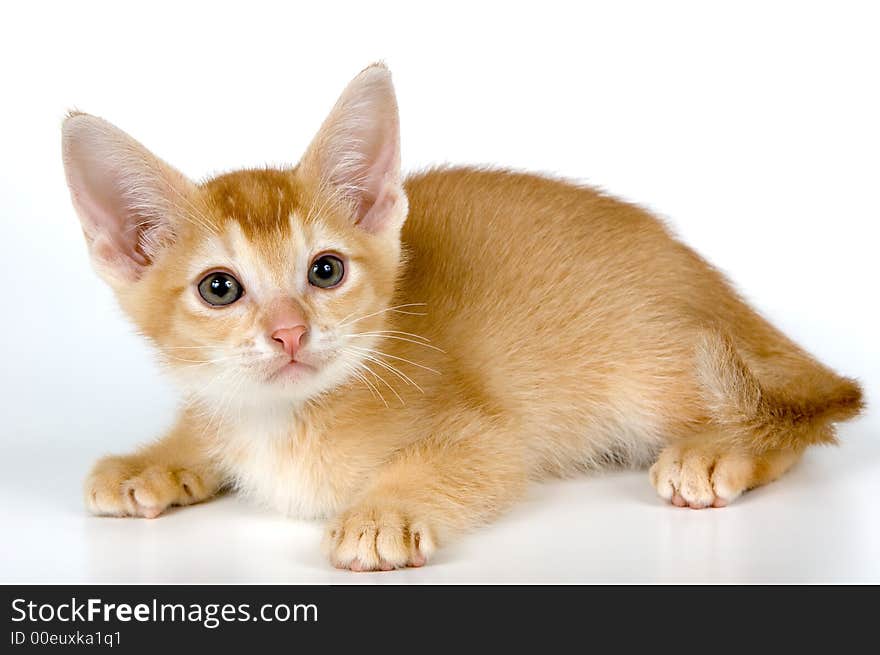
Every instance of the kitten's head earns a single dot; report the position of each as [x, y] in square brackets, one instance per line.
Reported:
[252, 281]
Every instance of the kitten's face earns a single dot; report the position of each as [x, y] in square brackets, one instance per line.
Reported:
[253, 284]
[264, 298]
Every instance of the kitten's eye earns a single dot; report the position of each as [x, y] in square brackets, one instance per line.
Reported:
[326, 271]
[220, 289]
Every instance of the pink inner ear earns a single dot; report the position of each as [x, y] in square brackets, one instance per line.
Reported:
[357, 150]
[112, 236]
[378, 199]
[106, 252]
[381, 210]
[120, 191]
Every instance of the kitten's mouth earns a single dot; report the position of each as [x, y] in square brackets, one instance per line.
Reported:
[292, 370]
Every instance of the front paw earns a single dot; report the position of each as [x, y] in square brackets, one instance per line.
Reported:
[378, 538]
[125, 486]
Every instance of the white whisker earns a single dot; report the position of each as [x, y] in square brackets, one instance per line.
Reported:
[391, 336]
[389, 367]
[399, 309]
[408, 334]
[164, 348]
[383, 381]
[384, 354]
[373, 388]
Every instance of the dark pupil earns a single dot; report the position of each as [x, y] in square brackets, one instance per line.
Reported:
[220, 286]
[324, 270]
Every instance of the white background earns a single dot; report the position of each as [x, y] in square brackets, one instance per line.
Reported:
[752, 128]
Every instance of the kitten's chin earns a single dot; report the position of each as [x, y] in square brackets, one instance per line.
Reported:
[302, 380]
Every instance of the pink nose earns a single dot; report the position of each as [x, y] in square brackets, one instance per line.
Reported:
[290, 338]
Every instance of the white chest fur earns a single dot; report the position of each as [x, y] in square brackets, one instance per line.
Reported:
[273, 460]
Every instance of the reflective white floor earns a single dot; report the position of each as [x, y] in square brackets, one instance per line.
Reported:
[819, 524]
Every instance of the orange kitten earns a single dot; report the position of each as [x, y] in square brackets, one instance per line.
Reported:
[401, 356]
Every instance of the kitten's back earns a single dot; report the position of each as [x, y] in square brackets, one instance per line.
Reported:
[573, 309]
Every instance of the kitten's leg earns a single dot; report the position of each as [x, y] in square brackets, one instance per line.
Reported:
[760, 417]
[430, 492]
[175, 470]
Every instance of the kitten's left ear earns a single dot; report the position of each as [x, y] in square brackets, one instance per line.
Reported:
[356, 153]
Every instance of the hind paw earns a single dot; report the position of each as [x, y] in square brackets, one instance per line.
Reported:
[689, 476]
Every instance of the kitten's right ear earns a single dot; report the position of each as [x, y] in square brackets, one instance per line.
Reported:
[125, 196]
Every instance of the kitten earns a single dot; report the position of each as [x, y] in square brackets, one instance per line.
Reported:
[401, 356]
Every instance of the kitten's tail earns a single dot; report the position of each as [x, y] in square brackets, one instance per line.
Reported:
[759, 417]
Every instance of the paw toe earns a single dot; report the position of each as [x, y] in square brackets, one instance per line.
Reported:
[731, 477]
[695, 485]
